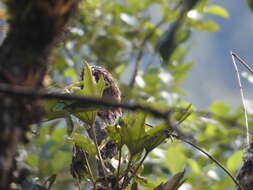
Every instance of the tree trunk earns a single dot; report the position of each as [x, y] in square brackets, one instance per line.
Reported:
[24, 55]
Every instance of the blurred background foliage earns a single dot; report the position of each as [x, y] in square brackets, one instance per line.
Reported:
[123, 36]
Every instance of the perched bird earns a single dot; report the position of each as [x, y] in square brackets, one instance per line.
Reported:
[104, 118]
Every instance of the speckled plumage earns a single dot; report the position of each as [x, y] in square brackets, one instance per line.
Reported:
[104, 118]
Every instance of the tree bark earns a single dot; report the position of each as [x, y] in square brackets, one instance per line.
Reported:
[24, 55]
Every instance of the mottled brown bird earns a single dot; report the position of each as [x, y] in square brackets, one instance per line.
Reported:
[104, 118]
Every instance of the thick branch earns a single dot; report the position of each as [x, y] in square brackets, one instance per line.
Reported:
[85, 102]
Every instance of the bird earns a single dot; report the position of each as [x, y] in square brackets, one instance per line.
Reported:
[104, 118]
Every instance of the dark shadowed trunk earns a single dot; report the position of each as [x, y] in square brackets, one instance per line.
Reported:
[24, 55]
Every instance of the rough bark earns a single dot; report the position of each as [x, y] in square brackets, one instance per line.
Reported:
[245, 173]
[79, 167]
[24, 56]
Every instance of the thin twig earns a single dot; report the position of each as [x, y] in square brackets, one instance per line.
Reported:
[99, 155]
[185, 114]
[242, 62]
[119, 166]
[89, 171]
[141, 51]
[242, 96]
[136, 169]
[211, 158]
[143, 44]
[126, 172]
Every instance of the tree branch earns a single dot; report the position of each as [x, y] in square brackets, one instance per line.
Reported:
[86, 102]
[211, 158]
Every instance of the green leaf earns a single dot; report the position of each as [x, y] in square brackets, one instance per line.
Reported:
[138, 126]
[153, 141]
[216, 10]
[174, 183]
[83, 142]
[235, 161]
[131, 132]
[58, 134]
[91, 88]
[180, 71]
[194, 166]
[87, 117]
[32, 160]
[157, 129]
[207, 26]
[60, 160]
[134, 132]
[76, 91]
[114, 133]
[89, 83]
[70, 72]
[182, 35]
[54, 109]
[175, 157]
[50, 181]
[211, 130]
[70, 125]
[156, 136]
[250, 3]
[220, 108]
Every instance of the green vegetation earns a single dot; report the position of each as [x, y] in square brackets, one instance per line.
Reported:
[143, 44]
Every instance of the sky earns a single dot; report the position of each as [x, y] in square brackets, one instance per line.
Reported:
[213, 76]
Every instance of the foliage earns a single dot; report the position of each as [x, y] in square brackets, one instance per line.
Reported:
[114, 34]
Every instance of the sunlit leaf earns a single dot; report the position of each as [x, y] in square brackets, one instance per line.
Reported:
[84, 142]
[32, 160]
[220, 108]
[216, 10]
[60, 160]
[182, 35]
[70, 125]
[134, 131]
[208, 26]
[91, 88]
[115, 134]
[54, 109]
[72, 73]
[175, 154]
[156, 136]
[131, 132]
[194, 166]
[235, 161]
